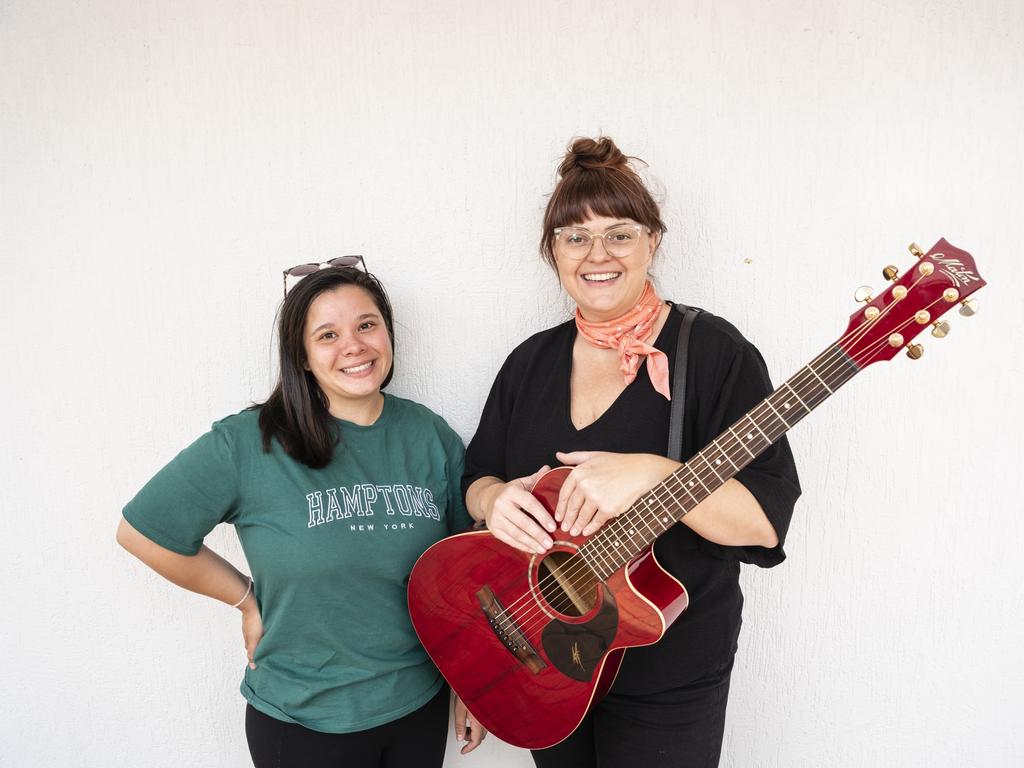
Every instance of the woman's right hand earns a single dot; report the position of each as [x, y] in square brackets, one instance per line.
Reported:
[514, 515]
[252, 627]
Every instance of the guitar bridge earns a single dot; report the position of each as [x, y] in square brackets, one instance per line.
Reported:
[505, 629]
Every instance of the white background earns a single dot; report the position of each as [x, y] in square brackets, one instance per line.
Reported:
[161, 162]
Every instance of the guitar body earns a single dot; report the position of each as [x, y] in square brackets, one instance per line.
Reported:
[529, 642]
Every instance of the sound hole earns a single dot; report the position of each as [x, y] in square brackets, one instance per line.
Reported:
[567, 583]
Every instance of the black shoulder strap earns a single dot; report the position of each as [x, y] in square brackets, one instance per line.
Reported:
[675, 419]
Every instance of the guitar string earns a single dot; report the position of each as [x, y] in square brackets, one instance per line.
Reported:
[838, 362]
[799, 381]
[673, 484]
[578, 573]
[585, 576]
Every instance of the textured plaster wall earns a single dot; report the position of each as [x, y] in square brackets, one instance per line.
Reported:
[161, 162]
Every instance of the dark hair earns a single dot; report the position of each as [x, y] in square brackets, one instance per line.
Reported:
[596, 179]
[296, 413]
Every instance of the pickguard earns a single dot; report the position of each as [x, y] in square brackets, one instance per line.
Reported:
[575, 650]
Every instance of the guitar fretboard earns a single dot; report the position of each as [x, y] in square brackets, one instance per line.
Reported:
[653, 513]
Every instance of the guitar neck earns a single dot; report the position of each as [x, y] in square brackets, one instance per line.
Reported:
[669, 501]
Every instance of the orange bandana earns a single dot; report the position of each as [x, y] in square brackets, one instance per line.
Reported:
[627, 334]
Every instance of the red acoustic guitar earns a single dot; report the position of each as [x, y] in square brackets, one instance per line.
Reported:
[529, 642]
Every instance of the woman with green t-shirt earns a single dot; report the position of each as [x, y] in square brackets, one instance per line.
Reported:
[334, 489]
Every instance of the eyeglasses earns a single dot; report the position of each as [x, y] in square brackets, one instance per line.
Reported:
[300, 271]
[576, 242]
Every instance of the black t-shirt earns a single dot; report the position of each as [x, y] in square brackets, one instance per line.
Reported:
[527, 419]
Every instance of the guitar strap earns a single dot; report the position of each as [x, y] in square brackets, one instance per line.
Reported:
[675, 418]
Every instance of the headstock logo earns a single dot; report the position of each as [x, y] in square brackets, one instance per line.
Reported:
[955, 270]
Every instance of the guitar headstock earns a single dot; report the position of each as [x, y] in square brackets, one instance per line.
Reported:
[942, 278]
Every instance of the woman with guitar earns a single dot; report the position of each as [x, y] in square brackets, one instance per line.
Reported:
[334, 489]
[594, 393]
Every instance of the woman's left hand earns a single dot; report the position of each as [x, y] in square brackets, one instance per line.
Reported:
[603, 485]
[252, 626]
[467, 727]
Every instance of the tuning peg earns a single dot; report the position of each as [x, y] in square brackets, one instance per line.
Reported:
[890, 273]
[915, 250]
[968, 307]
[914, 351]
[940, 328]
[863, 294]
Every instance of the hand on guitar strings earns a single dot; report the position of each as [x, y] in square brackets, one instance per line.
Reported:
[516, 517]
[467, 727]
[603, 485]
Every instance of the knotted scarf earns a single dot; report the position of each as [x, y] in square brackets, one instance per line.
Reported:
[628, 334]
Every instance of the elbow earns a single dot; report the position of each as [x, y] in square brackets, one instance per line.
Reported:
[758, 532]
[764, 533]
[126, 535]
[759, 537]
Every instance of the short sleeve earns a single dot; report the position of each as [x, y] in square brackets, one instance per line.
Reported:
[457, 516]
[726, 389]
[186, 499]
[486, 454]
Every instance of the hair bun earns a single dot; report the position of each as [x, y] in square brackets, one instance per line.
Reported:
[593, 154]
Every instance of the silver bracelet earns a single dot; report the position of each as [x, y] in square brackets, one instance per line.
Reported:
[248, 589]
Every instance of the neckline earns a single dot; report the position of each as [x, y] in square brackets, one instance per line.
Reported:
[567, 387]
[382, 419]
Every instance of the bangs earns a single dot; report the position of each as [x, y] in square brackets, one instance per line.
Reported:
[597, 194]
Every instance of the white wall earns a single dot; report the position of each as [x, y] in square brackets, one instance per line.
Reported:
[161, 162]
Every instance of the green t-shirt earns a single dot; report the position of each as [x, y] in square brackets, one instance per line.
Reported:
[330, 551]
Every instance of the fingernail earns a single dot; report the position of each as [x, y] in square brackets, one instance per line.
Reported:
[575, 531]
[252, 665]
[547, 543]
[550, 526]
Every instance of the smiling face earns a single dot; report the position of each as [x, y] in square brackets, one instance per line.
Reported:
[604, 286]
[348, 351]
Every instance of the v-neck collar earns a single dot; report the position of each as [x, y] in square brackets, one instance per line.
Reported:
[566, 387]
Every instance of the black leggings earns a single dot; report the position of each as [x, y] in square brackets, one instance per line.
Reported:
[418, 739]
[681, 728]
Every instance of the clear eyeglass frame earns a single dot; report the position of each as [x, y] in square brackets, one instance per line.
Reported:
[300, 271]
[620, 241]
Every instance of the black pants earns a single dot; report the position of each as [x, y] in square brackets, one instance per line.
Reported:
[417, 739]
[681, 728]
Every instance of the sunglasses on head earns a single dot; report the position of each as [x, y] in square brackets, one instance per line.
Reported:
[300, 271]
